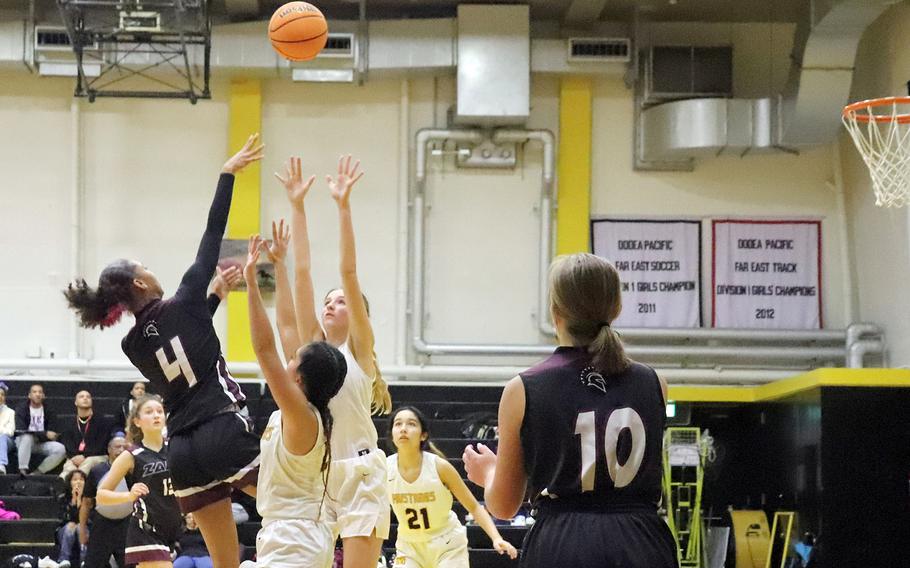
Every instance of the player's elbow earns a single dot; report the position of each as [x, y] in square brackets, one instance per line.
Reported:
[501, 506]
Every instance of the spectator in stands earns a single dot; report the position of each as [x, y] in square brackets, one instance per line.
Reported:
[105, 536]
[37, 431]
[70, 502]
[86, 438]
[137, 392]
[192, 552]
[7, 427]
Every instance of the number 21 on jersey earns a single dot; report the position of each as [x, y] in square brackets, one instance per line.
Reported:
[621, 418]
[181, 366]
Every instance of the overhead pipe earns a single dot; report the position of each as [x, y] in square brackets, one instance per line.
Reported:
[497, 373]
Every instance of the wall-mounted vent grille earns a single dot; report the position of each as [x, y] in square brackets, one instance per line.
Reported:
[52, 39]
[599, 49]
[338, 45]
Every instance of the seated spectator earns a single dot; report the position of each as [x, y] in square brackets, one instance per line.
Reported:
[192, 552]
[7, 427]
[86, 438]
[36, 430]
[70, 502]
[137, 392]
[102, 528]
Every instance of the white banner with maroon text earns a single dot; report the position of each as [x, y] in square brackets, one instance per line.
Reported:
[659, 263]
[766, 274]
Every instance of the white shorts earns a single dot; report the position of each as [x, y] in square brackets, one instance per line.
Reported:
[294, 543]
[358, 499]
[448, 550]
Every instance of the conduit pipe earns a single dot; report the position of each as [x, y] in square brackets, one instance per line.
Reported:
[427, 135]
[860, 348]
[786, 353]
[437, 372]
[649, 352]
[545, 252]
[401, 280]
[76, 215]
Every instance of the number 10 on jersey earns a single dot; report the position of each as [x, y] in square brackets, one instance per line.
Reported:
[619, 420]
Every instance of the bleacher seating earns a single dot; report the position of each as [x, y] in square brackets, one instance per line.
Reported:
[445, 406]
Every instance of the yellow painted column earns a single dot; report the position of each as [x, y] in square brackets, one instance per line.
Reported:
[573, 216]
[245, 118]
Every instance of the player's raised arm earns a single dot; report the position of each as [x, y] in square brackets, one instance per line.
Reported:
[297, 188]
[196, 279]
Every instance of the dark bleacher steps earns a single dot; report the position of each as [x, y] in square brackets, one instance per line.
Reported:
[446, 407]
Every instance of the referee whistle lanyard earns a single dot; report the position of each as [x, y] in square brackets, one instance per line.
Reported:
[83, 432]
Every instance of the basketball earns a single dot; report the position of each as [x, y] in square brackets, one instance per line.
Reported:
[298, 31]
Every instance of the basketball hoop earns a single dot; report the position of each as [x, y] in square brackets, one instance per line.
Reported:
[882, 136]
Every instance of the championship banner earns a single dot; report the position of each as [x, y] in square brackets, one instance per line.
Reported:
[659, 263]
[767, 274]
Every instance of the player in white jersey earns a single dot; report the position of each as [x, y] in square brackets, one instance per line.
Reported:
[357, 498]
[295, 459]
[421, 485]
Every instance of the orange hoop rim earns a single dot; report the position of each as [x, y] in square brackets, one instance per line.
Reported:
[851, 110]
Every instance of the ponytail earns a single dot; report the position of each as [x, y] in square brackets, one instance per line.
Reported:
[381, 400]
[322, 369]
[586, 292]
[104, 306]
[609, 354]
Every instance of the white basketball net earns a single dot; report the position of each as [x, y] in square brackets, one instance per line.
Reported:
[885, 147]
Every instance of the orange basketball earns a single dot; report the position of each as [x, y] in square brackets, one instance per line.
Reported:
[298, 31]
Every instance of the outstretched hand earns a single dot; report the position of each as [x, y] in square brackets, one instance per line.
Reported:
[251, 152]
[277, 249]
[294, 183]
[347, 176]
[252, 257]
[226, 280]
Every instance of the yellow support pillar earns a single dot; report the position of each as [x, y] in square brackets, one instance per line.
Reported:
[573, 216]
[245, 118]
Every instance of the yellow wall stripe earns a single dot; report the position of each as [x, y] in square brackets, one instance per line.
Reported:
[573, 214]
[244, 118]
[799, 384]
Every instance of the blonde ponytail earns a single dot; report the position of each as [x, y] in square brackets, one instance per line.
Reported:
[382, 399]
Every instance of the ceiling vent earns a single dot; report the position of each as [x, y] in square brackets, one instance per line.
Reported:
[593, 49]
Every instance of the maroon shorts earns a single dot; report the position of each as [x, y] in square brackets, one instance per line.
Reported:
[208, 462]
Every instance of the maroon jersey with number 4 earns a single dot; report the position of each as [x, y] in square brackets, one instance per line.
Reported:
[173, 343]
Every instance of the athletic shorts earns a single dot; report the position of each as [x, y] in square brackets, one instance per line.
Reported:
[633, 539]
[146, 546]
[358, 499]
[448, 550]
[294, 543]
[210, 460]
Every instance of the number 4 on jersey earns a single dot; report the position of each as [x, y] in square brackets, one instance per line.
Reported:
[620, 419]
[181, 366]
